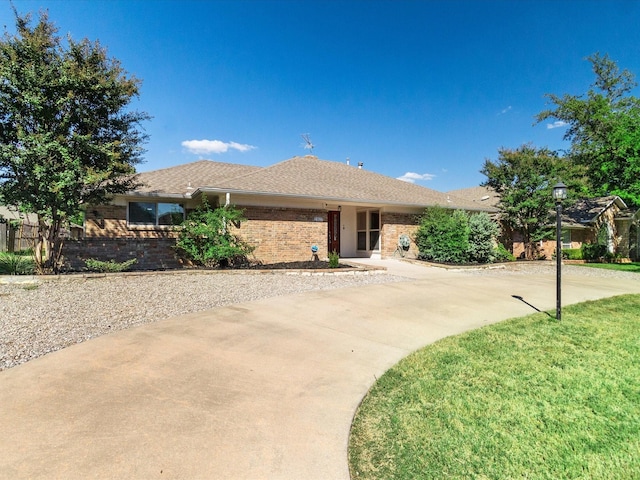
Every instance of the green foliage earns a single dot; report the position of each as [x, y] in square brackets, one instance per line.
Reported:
[14, 264]
[524, 179]
[603, 127]
[206, 237]
[443, 235]
[447, 236]
[593, 251]
[334, 259]
[68, 136]
[572, 253]
[482, 235]
[109, 267]
[503, 255]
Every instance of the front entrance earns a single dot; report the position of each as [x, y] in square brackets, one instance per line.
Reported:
[334, 232]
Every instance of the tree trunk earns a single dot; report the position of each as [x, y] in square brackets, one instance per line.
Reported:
[48, 246]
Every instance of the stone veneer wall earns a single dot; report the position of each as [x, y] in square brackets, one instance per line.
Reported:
[284, 234]
[394, 225]
[151, 253]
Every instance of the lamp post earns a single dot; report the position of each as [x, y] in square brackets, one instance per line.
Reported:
[559, 194]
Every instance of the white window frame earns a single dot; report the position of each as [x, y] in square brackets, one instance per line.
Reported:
[368, 230]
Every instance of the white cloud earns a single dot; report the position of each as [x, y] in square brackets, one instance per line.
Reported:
[505, 110]
[556, 124]
[203, 147]
[411, 177]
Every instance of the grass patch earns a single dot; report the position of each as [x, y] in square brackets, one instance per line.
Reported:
[622, 267]
[527, 398]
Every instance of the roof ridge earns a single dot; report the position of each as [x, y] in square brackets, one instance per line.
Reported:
[248, 174]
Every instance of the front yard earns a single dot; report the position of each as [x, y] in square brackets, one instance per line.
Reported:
[621, 267]
[528, 398]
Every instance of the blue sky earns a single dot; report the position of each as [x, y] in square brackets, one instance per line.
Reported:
[422, 89]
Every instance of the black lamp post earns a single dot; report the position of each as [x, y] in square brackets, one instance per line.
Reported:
[559, 194]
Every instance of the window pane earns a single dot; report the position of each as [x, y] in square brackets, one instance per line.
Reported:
[362, 240]
[142, 213]
[170, 214]
[374, 240]
[375, 221]
[566, 239]
[361, 221]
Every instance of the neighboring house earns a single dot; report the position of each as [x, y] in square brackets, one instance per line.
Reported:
[604, 219]
[289, 207]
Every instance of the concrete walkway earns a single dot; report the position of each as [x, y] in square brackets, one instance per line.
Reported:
[262, 390]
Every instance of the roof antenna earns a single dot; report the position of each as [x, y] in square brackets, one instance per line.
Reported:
[307, 140]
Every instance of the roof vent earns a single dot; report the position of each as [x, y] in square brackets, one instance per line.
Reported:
[360, 165]
[486, 197]
[348, 160]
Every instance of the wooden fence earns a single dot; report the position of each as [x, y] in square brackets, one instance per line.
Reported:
[15, 239]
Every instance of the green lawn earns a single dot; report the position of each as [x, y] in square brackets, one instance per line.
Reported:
[528, 398]
[623, 267]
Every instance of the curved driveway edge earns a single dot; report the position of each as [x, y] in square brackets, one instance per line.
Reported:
[261, 390]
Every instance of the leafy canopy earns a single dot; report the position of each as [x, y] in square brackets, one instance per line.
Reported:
[603, 127]
[524, 179]
[67, 134]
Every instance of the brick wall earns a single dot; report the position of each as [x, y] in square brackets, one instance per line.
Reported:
[284, 234]
[151, 253]
[394, 225]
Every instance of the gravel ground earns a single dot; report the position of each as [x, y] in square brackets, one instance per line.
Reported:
[36, 319]
[53, 314]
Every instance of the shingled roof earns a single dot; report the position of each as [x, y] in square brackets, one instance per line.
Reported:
[190, 176]
[586, 211]
[307, 177]
[482, 195]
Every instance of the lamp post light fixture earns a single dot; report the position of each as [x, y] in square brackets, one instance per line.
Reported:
[559, 194]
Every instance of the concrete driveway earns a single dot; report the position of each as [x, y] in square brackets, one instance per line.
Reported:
[262, 390]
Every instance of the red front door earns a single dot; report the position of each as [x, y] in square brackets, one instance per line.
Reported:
[334, 232]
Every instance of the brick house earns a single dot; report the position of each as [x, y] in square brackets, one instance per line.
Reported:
[289, 207]
[591, 220]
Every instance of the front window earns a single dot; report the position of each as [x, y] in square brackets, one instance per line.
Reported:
[566, 239]
[152, 213]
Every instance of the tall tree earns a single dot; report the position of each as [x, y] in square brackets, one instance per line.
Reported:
[604, 130]
[524, 179]
[67, 134]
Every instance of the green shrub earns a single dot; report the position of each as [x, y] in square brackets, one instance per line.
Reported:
[206, 237]
[482, 234]
[593, 251]
[334, 259]
[443, 235]
[108, 267]
[503, 255]
[572, 253]
[13, 264]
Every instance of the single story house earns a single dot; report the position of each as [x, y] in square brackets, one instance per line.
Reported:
[289, 207]
[592, 220]
[605, 220]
